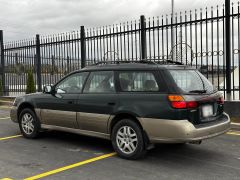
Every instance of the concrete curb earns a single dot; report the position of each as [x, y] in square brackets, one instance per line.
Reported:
[232, 108]
[235, 126]
[7, 98]
[5, 103]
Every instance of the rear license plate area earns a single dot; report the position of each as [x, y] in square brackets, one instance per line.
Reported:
[207, 111]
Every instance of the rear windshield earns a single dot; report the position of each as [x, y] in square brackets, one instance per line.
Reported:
[192, 81]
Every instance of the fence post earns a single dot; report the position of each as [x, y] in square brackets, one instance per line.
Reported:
[18, 68]
[2, 70]
[83, 47]
[53, 65]
[68, 67]
[143, 37]
[38, 61]
[228, 46]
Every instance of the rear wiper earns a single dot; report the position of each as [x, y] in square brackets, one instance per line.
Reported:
[198, 91]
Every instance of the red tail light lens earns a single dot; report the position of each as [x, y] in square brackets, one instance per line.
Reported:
[221, 100]
[179, 105]
[192, 104]
[178, 102]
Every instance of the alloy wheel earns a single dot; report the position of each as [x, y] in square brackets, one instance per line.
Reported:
[127, 140]
[27, 123]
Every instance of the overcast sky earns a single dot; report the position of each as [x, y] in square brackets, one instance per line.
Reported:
[22, 19]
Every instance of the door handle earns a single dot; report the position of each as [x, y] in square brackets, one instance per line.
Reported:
[111, 103]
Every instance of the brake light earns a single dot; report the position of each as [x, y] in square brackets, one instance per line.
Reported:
[178, 102]
[179, 105]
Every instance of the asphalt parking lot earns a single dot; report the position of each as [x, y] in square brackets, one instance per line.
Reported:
[59, 155]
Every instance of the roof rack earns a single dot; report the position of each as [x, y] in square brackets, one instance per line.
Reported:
[167, 61]
[144, 61]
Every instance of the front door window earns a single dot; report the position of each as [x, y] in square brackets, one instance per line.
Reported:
[72, 84]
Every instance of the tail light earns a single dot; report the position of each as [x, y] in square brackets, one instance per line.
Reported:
[220, 100]
[178, 102]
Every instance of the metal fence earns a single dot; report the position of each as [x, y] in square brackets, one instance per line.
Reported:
[208, 39]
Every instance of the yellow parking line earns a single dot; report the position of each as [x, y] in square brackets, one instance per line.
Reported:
[70, 166]
[5, 118]
[233, 133]
[6, 179]
[10, 137]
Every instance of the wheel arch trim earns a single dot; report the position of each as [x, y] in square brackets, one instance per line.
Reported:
[30, 105]
[121, 115]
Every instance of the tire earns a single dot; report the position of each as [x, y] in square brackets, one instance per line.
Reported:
[29, 124]
[128, 147]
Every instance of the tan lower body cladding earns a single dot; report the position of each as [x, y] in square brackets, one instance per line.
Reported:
[177, 131]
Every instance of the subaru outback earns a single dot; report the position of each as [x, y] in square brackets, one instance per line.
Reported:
[135, 105]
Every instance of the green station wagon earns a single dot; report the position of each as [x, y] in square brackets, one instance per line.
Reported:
[135, 105]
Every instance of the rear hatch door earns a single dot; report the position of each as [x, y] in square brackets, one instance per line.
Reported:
[195, 87]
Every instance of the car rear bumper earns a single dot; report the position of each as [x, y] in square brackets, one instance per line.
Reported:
[180, 131]
[13, 114]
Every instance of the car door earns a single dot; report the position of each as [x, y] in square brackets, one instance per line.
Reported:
[60, 108]
[97, 102]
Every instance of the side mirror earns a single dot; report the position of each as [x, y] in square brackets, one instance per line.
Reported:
[47, 89]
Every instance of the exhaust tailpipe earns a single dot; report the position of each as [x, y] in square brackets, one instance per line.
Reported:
[196, 142]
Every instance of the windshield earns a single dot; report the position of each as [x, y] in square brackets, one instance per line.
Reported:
[192, 81]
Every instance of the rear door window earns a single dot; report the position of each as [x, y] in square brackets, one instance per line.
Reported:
[131, 81]
[191, 81]
[100, 82]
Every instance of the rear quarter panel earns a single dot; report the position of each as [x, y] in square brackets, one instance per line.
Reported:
[147, 105]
